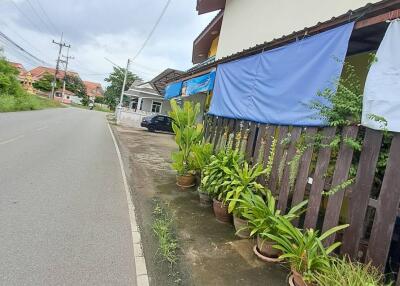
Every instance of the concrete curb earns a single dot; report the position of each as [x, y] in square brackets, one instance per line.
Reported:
[142, 278]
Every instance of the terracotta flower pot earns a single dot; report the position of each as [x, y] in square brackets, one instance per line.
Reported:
[204, 199]
[221, 212]
[186, 181]
[265, 247]
[242, 227]
[298, 279]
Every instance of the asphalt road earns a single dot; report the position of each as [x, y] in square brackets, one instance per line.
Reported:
[63, 212]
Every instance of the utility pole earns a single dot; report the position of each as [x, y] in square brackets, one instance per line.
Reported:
[66, 61]
[60, 45]
[123, 85]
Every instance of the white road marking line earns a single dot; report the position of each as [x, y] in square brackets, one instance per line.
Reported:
[142, 278]
[12, 139]
[42, 128]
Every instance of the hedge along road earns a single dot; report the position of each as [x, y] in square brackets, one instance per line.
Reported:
[64, 216]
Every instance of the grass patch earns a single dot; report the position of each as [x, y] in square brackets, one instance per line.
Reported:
[25, 102]
[162, 228]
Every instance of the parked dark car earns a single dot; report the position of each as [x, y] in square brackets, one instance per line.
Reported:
[157, 123]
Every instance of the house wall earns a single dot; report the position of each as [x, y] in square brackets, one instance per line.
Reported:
[251, 22]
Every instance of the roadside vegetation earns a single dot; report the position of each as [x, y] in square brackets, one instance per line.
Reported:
[13, 97]
[167, 243]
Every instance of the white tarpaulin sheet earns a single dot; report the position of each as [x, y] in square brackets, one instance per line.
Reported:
[382, 88]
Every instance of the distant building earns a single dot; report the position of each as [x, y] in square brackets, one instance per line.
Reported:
[93, 89]
[38, 72]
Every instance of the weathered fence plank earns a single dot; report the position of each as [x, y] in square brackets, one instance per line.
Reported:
[342, 168]
[317, 187]
[260, 135]
[218, 130]
[280, 148]
[304, 169]
[250, 141]
[386, 211]
[285, 185]
[360, 192]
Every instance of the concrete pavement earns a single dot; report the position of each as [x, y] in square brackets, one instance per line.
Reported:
[63, 210]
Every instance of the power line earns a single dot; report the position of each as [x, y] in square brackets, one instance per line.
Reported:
[152, 30]
[47, 17]
[29, 44]
[22, 49]
[40, 17]
[25, 16]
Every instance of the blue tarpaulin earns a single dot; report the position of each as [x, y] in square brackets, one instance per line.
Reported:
[199, 84]
[277, 86]
[173, 90]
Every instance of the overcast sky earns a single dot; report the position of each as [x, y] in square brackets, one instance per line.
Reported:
[114, 29]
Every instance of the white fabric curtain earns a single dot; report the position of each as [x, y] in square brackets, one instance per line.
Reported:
[382, 88]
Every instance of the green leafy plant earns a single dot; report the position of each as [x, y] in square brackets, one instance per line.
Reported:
[259, 213]
[344, 272]
[243, 179]
[201, 156]
[343, 106]
[217, 174]
[187, 134]
[303, 250]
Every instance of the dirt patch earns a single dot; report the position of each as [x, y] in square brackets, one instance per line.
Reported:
[210, 254]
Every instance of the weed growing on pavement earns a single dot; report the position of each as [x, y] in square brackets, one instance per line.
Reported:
[162, 228]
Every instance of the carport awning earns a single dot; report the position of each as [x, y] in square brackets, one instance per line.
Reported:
[203, 83]
[173, 90]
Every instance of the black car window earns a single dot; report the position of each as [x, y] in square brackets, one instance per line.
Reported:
[160, 119]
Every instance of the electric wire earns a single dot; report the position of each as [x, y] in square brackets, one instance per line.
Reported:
[22, 49]
[40, 18]
[152, 30]
[26, 17]
[47, 17]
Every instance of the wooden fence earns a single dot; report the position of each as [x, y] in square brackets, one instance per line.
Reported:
[370, 207]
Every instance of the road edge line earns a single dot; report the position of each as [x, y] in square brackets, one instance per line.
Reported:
[142, 278]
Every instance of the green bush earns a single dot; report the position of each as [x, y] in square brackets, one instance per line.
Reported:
[344, 272]
[13, 97]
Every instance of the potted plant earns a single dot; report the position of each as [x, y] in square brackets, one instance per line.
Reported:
[187, 134]
[344, 272]
[201, 157]
[261, 211]
[243, 180]
[303, 250]
[217, 179]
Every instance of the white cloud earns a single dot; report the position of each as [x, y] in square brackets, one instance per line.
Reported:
[108, 28]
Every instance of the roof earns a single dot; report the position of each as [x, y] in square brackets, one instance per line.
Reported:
[160, 81]
[203, 42]
[18, 66]
[206, 6]
[93, 89]
[366, 37]
[40, 71]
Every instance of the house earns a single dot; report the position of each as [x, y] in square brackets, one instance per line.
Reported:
[146, 98]
[93, 90]
[242, 29]
[38, 73]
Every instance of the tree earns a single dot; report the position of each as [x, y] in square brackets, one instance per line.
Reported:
[9, 84]
[116, 80]
[75, 84]
[44, 84]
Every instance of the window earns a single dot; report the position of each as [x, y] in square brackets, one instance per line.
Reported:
[156, 107]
